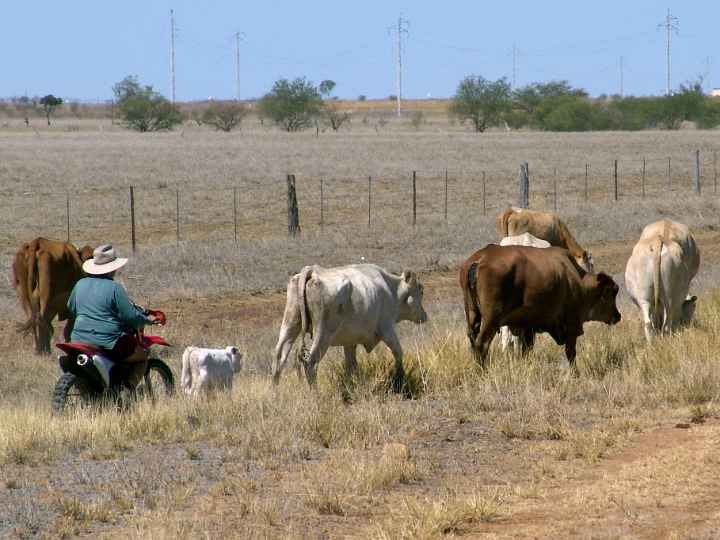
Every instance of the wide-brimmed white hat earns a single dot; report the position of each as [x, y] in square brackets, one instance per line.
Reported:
[104, 261]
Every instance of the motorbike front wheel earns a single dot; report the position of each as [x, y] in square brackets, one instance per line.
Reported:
[157, 382]
[71, 392]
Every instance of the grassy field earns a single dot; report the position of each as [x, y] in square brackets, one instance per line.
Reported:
[625, 447]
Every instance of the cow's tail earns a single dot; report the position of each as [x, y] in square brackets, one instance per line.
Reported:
[658, 311]
[502, 223]
[26, 285]
[471, 302]
[305, 275]
[186, 374]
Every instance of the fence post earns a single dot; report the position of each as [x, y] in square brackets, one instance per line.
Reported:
[555, 189]
[587, 166]
[322, 206]
[668, 176]
[235, 213]
[524, 185]
[67, 209]
[715, 171]
[414, 198]
[615, 177]
[292, 207]
[132, 218]
[177, 216]
[446, 193]
[484, 193]
[643, 179]
[369, 198]
[696, 183]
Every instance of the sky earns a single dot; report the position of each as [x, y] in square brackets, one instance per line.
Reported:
[79, 49]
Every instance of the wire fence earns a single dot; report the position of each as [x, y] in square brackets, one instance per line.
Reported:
[138, 216]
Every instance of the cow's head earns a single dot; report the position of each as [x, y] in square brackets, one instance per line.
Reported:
[603, 308]
[688, 309]
[235, 358]
[410, 294]
[586, 262]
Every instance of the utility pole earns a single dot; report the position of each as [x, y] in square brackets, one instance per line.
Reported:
[514, 67]
[622, 85]
[670, 24]
[400, 30]
[706, 78]
[172, 53]
[238, 37]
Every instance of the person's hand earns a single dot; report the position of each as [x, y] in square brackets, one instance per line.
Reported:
[153, 319]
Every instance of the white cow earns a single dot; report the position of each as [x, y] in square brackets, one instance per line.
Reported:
[347, 306]
[507, 339]
[658, 276]
[208, 369]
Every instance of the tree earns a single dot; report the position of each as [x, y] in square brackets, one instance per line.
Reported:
[50, 103]
[326, 87]
[224, 116]
[142, 108]
[292, 104]
[334, 117]
[481, 101]
[26, 107]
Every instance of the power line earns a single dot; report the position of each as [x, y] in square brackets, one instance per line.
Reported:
[400, 30]
[172, 53]
[670, 24]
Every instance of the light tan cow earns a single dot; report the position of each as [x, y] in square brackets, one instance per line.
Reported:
[545, 225]
[658, 276]
[525, 340]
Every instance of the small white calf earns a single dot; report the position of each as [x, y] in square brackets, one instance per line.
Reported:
[208, 369]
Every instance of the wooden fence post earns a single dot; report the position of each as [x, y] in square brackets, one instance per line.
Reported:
[587, 166]
[484, 193]
[67, 209]
[643, 179]
[177, 216]
[132, 218]
[369, 198]
[555, 201]
[669, 186]
[235, 213]
[292, 207]
[696, 183]
[446, 193]
[524, 185]
[615, 177]
[322, 206]
[414, 198]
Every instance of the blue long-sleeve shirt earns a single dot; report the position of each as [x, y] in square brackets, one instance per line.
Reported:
[103, 312]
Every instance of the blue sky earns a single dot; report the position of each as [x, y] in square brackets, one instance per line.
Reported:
[80, 48]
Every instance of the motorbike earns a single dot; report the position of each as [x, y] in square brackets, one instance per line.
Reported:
[90, 377]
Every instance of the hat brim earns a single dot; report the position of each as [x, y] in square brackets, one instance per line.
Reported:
[89, 266]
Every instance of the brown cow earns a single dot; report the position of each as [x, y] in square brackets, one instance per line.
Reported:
[544, 225]
[44, 273]
[532, 289]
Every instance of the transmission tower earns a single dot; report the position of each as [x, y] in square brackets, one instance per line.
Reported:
[400, 30]
[670, 24]
[173, 32]
[239, 36]
[515, 54]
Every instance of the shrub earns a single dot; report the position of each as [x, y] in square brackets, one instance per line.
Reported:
[224, 116]
[481, 101]
[293, 105]
[143, 109]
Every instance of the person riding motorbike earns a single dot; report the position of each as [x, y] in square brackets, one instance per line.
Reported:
[104, 314]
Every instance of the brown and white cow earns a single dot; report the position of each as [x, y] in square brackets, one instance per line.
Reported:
[44, 273]
[658, 276]
[347, 306]
[545, 225]
[528, 288]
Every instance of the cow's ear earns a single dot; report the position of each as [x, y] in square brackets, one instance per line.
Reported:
[605, 281]
[409, 278]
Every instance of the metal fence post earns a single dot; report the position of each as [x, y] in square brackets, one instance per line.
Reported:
[132, 218]
[177, 216]
[615, 177]
[446, 194]
[235, 214]
[67, 209]
[369, 198]
[414, 198]
[484, 196]
[696, 183]
[322, 206]
[643, 179]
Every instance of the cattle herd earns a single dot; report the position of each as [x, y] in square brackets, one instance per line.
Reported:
[538, 279]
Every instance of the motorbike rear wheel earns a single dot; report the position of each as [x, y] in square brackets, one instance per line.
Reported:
[71, 392]
[158, 381]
